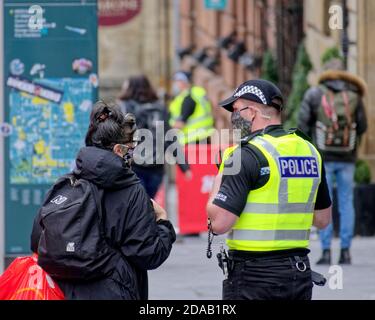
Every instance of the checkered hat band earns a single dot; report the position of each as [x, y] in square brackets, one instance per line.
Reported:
[253, 90]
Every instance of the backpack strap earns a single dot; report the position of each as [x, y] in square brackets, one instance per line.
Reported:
[329, 108]
[98, 202]
[345, 98]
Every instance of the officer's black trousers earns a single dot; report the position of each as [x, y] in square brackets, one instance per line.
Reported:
[269, 279]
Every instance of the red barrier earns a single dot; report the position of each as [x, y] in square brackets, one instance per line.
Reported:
[193, 194]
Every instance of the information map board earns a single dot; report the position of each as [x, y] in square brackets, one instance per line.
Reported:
[50, 84]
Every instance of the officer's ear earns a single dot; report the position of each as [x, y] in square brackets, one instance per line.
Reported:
[251, 112]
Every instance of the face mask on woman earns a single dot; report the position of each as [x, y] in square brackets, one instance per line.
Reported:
[127, 152]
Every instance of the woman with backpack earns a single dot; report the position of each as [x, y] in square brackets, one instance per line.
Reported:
[98, 232]
[139, 97]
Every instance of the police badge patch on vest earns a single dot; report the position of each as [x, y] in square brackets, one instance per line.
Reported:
[264, 171]
[299, 167]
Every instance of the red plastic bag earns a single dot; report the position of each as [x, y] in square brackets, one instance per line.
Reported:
[24, 279]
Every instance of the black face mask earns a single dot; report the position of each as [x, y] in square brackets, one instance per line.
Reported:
[240, 123]
[128, 157]
[128, 153]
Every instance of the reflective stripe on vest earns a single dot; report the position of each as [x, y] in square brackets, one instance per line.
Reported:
[199, 125]
[278, 216]
[264, 235]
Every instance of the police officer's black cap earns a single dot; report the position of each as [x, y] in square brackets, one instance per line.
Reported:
[259, 90]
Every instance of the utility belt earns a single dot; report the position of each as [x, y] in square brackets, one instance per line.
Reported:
[227, 262]
[266, 256]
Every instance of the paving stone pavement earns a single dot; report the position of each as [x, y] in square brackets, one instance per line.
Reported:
[189, 275]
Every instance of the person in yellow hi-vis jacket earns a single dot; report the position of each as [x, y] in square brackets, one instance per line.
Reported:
[190, 111]
[269, 206]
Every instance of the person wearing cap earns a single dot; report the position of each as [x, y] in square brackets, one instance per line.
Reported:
[269, 206]
[190, 111]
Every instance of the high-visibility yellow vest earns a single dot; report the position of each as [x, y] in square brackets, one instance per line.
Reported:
[200, 124]
[279, 215]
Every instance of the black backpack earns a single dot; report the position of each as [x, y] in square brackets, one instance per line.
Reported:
[72, 245]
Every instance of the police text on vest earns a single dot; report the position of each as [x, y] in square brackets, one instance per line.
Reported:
[299, 167]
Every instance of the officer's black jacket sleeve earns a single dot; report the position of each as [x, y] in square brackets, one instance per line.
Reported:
[179, 154]
[323, 199]
[187, 108]
[234, 189]
[131, 226]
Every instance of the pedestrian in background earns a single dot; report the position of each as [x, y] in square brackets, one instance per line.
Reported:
[139, 97]
[333, 114]
[190, 110]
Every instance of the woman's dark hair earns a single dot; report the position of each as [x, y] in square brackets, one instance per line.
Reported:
[109, 126]
[139, 89]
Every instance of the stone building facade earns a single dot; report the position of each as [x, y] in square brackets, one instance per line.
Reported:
[256, 24]
[141, 45]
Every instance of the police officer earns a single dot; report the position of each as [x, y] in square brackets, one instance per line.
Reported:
[190, 111]
[269, 206]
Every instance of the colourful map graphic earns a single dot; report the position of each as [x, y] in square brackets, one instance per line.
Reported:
[46, 135]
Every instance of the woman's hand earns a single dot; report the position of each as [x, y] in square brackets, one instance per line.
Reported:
[160, 213]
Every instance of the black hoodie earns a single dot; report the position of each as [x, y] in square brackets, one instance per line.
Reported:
[129, 224]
